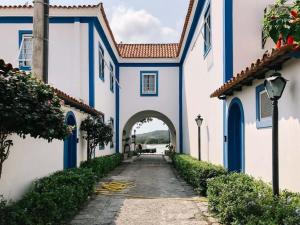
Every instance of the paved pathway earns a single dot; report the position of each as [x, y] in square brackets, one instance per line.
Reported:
[165, 198]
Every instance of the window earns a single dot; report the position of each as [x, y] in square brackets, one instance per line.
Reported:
[113, 138]
[101, 62]
[111, 77]
[102, 147]
[25, 50]
[149, 83]
[263, 108]
[207, 31]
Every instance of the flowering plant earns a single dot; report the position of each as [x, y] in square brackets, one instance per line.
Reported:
[282, 23]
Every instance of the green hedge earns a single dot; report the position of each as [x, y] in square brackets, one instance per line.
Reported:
[241, 199]
[102, 165]
[57, 198]
[195, 172]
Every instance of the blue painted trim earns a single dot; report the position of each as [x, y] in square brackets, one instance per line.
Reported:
[228, 40]
[141, 83]
[21, 33]
[242, 135]
[69, 114]
[227, 65]
[149, 64]
[102, 72]
[199, 9]
[111, 84]
[117, 109]
[266, 122]
[180, 110]
[91, 65]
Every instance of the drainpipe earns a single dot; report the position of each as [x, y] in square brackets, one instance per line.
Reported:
[40, 39]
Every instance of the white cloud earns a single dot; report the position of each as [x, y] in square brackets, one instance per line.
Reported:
[139, 26]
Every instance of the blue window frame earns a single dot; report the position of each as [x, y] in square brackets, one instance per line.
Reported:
[263, 108]
[102, 147]
[113, 129]
[25, 49]
[207, 31]
[111, 77]
[149, 83]
[101, 61]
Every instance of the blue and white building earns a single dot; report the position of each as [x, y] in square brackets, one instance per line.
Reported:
[172, 82]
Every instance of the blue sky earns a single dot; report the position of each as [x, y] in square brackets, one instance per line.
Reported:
[138, 21]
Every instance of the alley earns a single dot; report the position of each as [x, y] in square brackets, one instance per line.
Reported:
[159, 197]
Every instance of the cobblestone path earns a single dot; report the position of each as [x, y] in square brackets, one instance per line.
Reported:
[160, 197]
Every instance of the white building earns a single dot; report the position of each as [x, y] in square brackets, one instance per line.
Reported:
[172, 82]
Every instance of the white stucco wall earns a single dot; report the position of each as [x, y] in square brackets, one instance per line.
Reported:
[31, 159]
[167, 101]
[201, 75]
[258, 142]
[247, 32]
[104, 97]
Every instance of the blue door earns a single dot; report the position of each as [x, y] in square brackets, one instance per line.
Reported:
[236, 137]
[70, 144]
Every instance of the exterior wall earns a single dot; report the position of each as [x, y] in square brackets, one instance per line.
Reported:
[247, 32]
[258, 142]
[166, 102]
[104, 97]
[31, 159]
[201, 75]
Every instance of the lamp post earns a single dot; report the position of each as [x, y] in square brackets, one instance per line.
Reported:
[274, 86]
[199, 121]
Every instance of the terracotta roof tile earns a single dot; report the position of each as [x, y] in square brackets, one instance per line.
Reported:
[257, 70]
[148, 50]
[68, 100]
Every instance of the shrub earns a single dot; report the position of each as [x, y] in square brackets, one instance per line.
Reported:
[196, 172]
[57, 198]
[240, 199]
[102, 165]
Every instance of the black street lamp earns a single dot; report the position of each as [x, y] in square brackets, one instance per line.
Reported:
[274, 86]
[199, 121]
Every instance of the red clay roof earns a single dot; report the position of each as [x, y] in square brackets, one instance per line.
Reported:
[68, 100]
[270, 61]
[51, 6]
[148, 50]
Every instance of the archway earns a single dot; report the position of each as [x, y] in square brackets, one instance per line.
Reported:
[236, 136]
[127, 130]
[70, 144]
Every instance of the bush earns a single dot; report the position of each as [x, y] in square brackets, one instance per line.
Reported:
[57, 198]
[195, 172]
[102, 165]
[240, 199]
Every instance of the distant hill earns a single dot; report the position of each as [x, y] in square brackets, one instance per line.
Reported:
[154, 137]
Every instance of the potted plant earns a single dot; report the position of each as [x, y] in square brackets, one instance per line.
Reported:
[282, 23]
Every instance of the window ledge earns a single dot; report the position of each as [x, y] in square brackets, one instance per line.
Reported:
[25, 68]
[266, 123]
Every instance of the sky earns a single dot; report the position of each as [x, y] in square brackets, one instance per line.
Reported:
[137, 21]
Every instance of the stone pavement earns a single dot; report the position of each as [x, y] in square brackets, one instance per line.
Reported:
[159, 198]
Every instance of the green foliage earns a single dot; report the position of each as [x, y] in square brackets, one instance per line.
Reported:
[197, 172]
[57, 198]
[96, 132]
[102, 165]
[279, 22]
[240, 199]
[30, 107]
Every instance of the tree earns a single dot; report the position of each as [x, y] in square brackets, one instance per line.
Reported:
[27, 107]
[96, 132]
